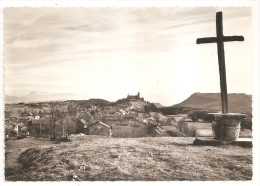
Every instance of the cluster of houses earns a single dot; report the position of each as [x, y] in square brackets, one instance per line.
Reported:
[27, 125]
[95, 121]
[93, 124]
[14, 126]
[99, 122]
[89, 109]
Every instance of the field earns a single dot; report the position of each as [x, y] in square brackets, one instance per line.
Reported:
[101, 158]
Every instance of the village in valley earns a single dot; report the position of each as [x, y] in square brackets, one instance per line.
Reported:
[128, 117]
[34, 125]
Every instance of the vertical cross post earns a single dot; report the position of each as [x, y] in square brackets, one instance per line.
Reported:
[221, 61]
[220, 39]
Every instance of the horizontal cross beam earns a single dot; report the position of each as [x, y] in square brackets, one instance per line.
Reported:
[214, 39]
[220, 39]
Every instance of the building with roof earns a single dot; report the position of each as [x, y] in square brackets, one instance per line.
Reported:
[134, 97]
[15, 126]
[100, 128]
[39, 126]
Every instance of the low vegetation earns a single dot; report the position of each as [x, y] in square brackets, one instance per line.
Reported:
[91, 158]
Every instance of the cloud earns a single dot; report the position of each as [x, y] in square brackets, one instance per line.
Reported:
[96, 27]
[93, 49]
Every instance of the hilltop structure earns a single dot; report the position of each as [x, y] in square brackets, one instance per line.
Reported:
[134, 97]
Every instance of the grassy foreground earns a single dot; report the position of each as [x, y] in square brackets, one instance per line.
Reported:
[154, 158]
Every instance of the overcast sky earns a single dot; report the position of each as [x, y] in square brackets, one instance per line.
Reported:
[111, 52]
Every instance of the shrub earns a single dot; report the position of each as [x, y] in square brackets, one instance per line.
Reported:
[13, 133]
[173, 134]
[181, 125]
[170, 120]
[20, 137]
[79, 127]
[170, 110]
[246, 123]
[196, 115]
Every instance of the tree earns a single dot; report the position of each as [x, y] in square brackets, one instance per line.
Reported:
[193, 116]
[64, 126]
[69, 125]
[24, 130]
[79, 127]
[34, 112]
[201, 114]
[147, 108]
[40, 113]
[71, 110]
[19, 111]
[170, 120]
[246, 123]
[157, 118]
[55, 115]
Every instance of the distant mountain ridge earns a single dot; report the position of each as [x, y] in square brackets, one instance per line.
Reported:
[237, 102]
[241, 103]
[39, 97]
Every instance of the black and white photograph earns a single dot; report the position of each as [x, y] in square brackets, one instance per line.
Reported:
[160, 93]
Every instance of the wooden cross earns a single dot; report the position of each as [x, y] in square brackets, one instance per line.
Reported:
[220, 39]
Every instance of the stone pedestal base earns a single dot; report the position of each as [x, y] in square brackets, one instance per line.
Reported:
[243, 142]
[226, 126]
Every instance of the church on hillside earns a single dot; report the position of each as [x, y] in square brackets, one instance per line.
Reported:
[134, 97]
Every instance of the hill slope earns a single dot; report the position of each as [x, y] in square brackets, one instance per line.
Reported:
[158, 105]
[237, 102]
[89, 158]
